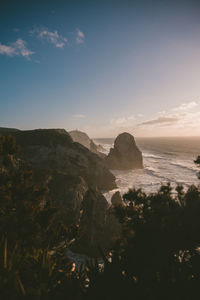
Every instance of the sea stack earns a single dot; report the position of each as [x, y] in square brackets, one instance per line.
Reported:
[125, 154]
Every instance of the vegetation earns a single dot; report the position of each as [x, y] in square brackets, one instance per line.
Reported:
[157, 256]
[32, 242]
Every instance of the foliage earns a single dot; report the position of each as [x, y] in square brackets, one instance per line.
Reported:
[8, 145]
[33, 264]
[157, 256]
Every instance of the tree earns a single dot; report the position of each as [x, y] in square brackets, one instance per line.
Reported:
[33, 264]
[157, 256]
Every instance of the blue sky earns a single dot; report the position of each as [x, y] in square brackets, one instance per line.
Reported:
[101, 66]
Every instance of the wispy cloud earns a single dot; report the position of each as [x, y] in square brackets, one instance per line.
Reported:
[80, 37]
[161, 120]
[185, 115]
[52, 37]
[186, 106]
[78, 116]
[18, 48]
[122, 122]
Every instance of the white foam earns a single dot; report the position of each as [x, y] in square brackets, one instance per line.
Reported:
[159, 168]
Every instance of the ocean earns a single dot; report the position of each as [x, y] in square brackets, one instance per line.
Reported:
[165, 160]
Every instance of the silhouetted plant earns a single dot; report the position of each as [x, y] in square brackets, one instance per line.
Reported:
[33, 263]
[157, 256]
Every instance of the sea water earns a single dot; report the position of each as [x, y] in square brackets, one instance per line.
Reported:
[165, 160]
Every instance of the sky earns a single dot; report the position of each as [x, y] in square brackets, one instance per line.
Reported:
[103, 67]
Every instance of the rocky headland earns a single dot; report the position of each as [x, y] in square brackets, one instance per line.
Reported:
[76, 176]
[83, 139]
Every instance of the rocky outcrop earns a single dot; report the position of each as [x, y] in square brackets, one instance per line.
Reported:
[54, 150]
[75, 176]
[99, 225]
[125, 154]
[92, 224]
[68, 191]
[83, 138]
[116, 199]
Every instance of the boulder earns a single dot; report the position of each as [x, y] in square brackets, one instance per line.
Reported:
[99, 226]
[92, 224]
[116, 199]
[125, 154]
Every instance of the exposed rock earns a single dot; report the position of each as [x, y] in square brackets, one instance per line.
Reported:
[68, 192]
[99, 225]
[92, 224]
[125, 154]
[83, 138]
[116, 199]
[54, 150]
[73, 174]
[113, 228]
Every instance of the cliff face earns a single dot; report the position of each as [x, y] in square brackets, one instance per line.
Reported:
[99, 226]
[125, 154]
[92, 224]
[83, 139]
[74, 176]
[68, 193]
[54, 150]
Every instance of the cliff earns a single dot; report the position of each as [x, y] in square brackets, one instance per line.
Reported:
[83, 139]
[75, 178]
[54, 150]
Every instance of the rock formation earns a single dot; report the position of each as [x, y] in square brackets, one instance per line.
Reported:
[116, 199]
[125, 154]
[83, 138]
[68, 191]
[99, 225]
[54, 150]
[92, 224]
[75, 176]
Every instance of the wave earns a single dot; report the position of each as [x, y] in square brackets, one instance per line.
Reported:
[160, 167]
[153, 172]
[150, 155]
[184, 165]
